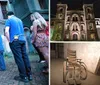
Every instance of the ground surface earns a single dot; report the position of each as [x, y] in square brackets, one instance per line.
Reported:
[6, 77]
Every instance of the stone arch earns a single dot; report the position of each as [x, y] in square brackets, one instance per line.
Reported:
[75, 34]
[89, 16]
[75, 17]
[82, 27]
[75, 24]
[89, 9]
[60, 9]
[82, 18]
[68, 18]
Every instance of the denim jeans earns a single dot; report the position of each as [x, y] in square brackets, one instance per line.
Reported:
[21, 58]
[2, 62]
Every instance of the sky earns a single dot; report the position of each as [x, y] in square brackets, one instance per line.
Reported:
[76, 4]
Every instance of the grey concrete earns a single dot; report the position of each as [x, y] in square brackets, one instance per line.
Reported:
[6, 77]
[57, 75]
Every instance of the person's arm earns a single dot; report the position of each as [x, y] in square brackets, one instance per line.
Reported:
[7, 33]
[34, 31]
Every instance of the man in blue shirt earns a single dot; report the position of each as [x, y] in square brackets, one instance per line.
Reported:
[14, 32]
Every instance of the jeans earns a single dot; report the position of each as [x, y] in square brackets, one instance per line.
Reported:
[2, 62]
[21, 58]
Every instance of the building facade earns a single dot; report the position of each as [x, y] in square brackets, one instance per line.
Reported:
[23, 9]
[77, 25]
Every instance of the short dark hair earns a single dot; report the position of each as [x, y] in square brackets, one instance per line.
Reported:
[10, 13]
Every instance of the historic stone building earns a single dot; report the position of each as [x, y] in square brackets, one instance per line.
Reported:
[77, 25]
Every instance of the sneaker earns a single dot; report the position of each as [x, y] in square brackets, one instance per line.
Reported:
[30, 77]
[18, 78]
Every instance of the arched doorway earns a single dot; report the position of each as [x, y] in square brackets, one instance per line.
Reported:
[75, 31]
[75, 37]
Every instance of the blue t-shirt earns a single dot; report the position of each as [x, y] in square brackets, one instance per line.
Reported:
[16, 28]
[1, 44]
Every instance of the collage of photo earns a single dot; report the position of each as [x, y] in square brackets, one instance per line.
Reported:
[49, 42]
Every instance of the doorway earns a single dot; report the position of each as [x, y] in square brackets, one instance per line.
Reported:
[75, 37]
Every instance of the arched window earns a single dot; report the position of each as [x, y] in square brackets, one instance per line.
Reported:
[61, 10]
[68, 19]
[76, 29]
[68, 27]
[89, 16]
[89, 10]
[81, 27]
[75, 18]
[73, 29]
[81, 18]
[91, 26]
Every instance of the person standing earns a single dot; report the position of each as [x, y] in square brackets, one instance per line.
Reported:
[41, 56]
[2, 62]
[40, 38]
[14, 33]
